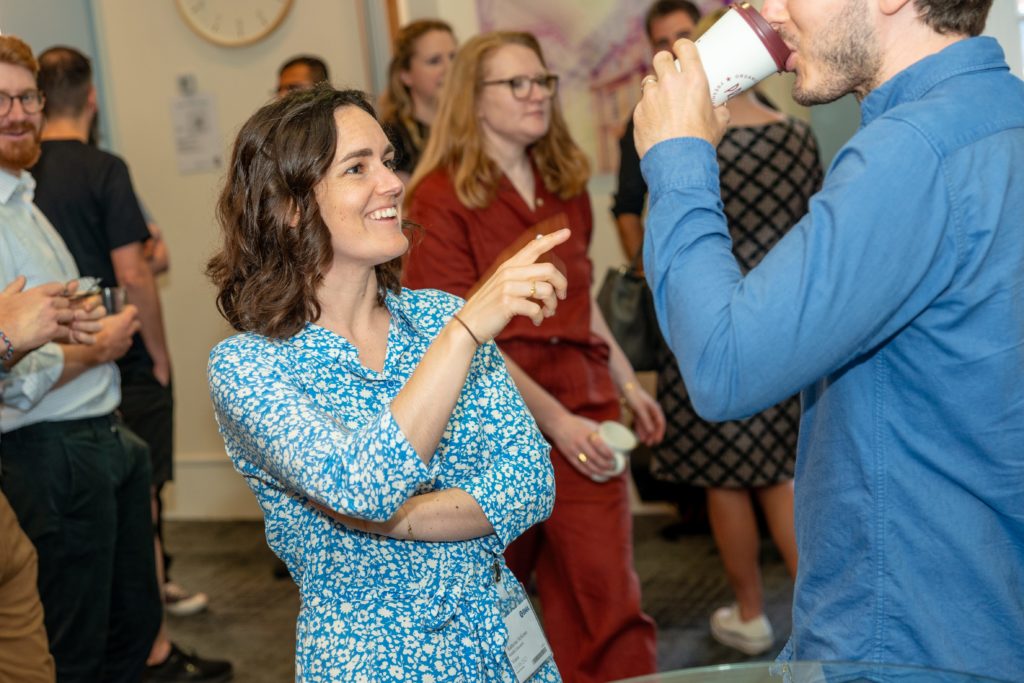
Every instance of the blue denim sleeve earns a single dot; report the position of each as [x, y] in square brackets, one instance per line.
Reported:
[876, 246]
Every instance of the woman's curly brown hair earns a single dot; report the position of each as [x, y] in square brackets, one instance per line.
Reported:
[276, 246]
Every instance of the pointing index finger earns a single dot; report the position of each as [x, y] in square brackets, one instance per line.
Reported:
[537, 246]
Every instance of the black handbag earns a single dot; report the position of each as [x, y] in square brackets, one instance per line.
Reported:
[628, 308]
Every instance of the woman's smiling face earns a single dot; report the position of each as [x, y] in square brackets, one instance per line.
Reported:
[360, 196]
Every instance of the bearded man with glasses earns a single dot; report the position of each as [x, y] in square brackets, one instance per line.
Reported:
[77, 482]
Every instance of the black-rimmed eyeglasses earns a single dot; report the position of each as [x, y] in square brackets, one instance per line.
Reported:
[522, 86]
[31, 102]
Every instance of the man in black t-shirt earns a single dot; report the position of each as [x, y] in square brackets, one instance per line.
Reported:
[88, 196]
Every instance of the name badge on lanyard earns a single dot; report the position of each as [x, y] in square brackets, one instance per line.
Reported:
[527, 648]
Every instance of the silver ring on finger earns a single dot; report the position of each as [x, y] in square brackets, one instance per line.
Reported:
[647, 80]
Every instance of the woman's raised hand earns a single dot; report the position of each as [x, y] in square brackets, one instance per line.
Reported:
[520, 286]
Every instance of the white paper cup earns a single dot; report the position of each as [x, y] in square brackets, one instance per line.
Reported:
[621, 440]
[739, 51]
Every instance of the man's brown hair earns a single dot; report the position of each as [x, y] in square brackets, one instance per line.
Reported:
[276, 246]
[965, 17]
[65, 75]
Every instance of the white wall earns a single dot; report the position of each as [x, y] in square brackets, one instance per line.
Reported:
[1004, 25]
[145, 47]
[461, 14]
[44, 23]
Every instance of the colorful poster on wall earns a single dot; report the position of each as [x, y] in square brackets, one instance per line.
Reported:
[600, 52]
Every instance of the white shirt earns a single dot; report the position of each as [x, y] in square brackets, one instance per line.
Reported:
[30, 246]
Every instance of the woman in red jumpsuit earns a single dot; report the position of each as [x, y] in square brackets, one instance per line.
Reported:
[499, 169]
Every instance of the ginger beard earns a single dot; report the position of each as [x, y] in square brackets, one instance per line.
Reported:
[19, 144]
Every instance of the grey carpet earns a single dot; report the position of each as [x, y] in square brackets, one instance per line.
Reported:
[251, 619]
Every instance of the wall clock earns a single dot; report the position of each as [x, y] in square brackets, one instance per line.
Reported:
[233, 23]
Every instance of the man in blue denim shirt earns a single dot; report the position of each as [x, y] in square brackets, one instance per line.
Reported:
[896, 306]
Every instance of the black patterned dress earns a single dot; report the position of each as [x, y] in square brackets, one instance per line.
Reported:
[768, 173]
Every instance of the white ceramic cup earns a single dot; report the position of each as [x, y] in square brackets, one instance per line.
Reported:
[739, 51]
[621, 440]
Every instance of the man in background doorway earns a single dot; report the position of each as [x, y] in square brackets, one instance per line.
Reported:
[300, 73]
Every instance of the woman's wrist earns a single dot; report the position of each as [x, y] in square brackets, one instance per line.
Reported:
[459, 336]
[552, 420]
[628, 388]
[467, 328]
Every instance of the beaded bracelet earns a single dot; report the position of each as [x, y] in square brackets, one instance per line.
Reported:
[9, 353]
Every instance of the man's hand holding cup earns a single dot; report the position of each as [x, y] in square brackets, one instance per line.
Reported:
[115, 336]
[676, 102]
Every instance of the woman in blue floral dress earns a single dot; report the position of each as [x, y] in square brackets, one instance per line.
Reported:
[391, 454]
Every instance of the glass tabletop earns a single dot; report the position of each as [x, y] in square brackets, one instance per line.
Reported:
[811, 672]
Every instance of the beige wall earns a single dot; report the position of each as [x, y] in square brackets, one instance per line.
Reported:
[146, 46]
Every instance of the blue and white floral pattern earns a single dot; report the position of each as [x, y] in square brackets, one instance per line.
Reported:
[303, 420]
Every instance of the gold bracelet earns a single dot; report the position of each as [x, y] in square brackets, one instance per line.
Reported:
[626, 388]
[455, 316]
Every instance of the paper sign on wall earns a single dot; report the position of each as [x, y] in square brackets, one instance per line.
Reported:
[197, 140]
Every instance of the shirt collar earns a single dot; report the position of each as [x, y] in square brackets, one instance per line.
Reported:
[319, 341]
[965, 56]
[23, 185]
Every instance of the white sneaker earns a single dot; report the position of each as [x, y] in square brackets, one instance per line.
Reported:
[750, 637]
[181, 603]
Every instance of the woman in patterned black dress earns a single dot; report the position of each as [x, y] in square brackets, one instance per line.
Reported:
[769, 169]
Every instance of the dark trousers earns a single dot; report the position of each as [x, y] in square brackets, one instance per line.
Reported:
[80, 489]
[147, 407]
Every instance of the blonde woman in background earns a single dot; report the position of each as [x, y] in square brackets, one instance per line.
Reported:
[501, 168]
[423, 52]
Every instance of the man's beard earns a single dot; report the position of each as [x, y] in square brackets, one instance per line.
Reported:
[21, 154]
[846, 55]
